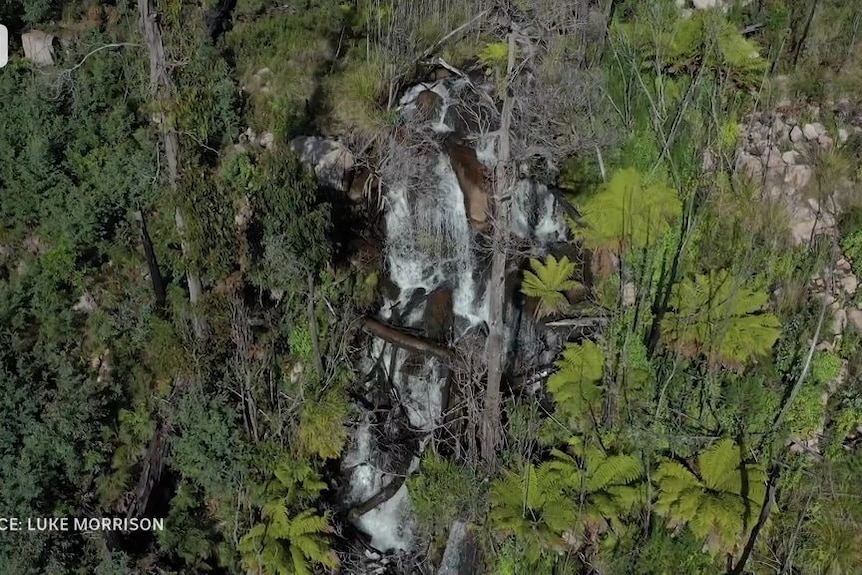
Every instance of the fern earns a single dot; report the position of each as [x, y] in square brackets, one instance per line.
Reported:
[713, 317]
[576, 386]
[576, 492]
[628, 211]
[289, 541]
[603, 485]
[321, 431]
[719, 504]
[547, 282]
[526, 506]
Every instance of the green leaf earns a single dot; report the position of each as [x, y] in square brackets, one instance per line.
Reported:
[628, 211]
[547, 282]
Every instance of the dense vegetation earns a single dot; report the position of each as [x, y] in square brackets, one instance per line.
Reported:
[706, 420]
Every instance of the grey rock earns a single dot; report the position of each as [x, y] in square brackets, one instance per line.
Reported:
[332, 162]
[843, 135]
[849, 284]
[790, 157]
[38, 47]
[796, 135]
[813, 131]
[854, 318]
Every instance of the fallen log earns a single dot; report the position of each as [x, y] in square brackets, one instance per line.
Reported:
[405, 340]
[378, 498]
[586, 321]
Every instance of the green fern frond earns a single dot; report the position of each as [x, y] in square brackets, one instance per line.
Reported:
[719, 464]
[547, 282]
[629, 210]
[575, 387]
[716, 317]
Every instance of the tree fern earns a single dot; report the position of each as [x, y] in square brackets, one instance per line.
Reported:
[289, 541]
[719, 503]
[576, 387]
[627, 211]
[725, 322]
[547, 282]
[576, 492]
[606, 487]
[526, 505]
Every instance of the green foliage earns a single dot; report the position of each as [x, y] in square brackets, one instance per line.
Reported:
[208, 448]
[665, 553]
[712, 315]
[583, 493]
[548, 282]
[188, 531]
[628, 211]
[494, 55]
[576, 386]
[294, 221]
[299, 341]
[719, 502]
[441, 492]
[705, 40]
[289, 540]
[322, 432]
[825, 367]
[807, 412]
[851, 245]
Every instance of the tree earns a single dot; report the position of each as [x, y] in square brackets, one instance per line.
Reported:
[585, 492]
[718, 501]
[288, 540]
[629, 211]
[548, 282]
[605, 486]
[715, 317]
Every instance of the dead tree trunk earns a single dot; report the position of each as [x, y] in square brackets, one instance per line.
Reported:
[495, 346]
[162, 87]
[154, 462]
[404, 340]
[152, 263]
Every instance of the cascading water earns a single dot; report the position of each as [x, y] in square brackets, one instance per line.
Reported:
[430, 244]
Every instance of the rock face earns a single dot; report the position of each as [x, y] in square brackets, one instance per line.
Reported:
[472, 180]
[39, 47]
[331, 161]
[459, 557]
[429, 103]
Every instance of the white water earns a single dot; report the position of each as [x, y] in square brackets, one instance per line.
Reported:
[429, 244]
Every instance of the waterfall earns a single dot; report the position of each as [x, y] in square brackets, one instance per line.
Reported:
[430, 244]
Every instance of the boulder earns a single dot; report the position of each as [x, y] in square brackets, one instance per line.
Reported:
[39, 47]
[790, 157]
[843, 135]
[331, 161]
[471, 174]
[839, 322]
[705, 4]
[854, 318]
[849, 284]
[825, 141]
[796, 135]
[813, 131]
[429, 103]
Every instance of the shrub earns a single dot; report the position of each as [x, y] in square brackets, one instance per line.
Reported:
[441, 493]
